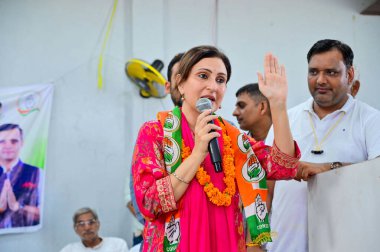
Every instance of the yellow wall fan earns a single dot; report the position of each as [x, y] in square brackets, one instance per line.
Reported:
[147, 77]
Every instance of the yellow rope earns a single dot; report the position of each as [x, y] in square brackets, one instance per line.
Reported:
[100, 64]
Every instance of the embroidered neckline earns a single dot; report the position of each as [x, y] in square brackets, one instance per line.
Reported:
[214, 194]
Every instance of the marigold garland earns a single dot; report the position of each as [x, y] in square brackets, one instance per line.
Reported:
[214, 194]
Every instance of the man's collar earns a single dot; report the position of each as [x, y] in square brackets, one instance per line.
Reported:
[96, 246]
[13, 165]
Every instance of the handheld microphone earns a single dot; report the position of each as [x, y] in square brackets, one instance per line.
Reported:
[213, 146]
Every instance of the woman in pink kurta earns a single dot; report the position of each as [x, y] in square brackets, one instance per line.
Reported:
[203, 225]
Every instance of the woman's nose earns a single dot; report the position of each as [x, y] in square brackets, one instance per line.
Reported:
[212, 84]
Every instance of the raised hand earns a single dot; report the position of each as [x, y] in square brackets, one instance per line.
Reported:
[273, 84]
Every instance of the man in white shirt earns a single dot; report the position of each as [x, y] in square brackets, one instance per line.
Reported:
[86, 225]
[332, 130]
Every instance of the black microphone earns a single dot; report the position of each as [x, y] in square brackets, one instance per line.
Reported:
[213, 146]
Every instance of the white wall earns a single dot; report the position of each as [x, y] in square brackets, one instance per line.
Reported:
[88, 158]
[93, 131]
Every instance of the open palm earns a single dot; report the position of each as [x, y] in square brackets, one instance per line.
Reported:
[273, 84]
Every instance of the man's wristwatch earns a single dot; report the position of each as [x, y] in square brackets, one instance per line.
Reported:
[335, 165]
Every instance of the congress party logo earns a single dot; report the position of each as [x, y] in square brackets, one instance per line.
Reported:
[171, 123]
[28, 103]
[171, 151]
[172, 230]
[252, 170]
[243, 143]
[261, 208]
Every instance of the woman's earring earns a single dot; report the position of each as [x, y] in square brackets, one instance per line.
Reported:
[182, 97]
[220, 106]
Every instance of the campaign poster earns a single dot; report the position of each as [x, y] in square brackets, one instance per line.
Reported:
[24, 130]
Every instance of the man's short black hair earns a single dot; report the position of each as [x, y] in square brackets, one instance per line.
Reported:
[326, 45]
[10, 126]
[174, 60]
[253, 90]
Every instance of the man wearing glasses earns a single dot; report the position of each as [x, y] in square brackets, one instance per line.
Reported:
[86, 225]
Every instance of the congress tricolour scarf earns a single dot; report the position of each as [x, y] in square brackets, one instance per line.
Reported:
[250, 178]
[172, 155]
[252, 184]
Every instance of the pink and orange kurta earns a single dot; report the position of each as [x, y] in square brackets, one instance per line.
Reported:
[203, 225]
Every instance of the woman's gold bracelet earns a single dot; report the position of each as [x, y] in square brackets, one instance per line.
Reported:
[180, 179]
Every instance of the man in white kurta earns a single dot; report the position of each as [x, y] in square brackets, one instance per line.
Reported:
[86, 226]
[332, 129]
[108, 244]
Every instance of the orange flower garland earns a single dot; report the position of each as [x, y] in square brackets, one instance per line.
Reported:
[214, 194]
